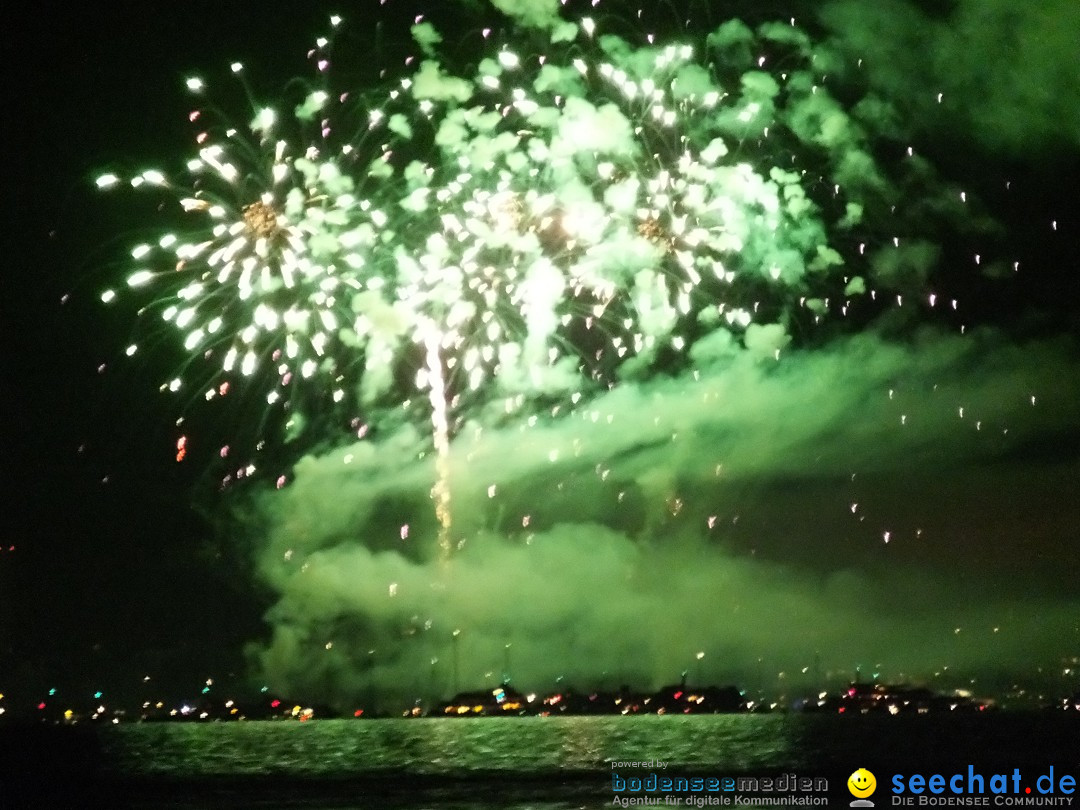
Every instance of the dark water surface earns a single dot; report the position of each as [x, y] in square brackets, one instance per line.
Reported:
[484, 763]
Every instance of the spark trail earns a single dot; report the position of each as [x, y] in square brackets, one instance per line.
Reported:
[440, 493]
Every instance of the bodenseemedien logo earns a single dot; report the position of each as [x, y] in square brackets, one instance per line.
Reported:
[862, 785]
[782, 790]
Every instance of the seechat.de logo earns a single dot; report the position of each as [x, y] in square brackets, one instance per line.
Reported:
[862, 785]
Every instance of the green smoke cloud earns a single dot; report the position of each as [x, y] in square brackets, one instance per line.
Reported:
[1006, 72]
[768, 505]
[535, 13]
[610, 544]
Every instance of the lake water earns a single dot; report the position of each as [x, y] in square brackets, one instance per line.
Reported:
[530, 762]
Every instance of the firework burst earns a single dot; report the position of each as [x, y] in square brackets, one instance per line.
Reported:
[531, 228]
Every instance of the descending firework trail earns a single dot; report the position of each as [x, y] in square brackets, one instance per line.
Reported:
[441, 435]
[531, 230]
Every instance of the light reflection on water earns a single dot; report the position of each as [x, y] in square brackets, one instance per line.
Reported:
[730, 743]
[542, 763]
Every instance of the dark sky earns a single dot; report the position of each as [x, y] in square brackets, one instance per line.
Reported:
[115, 561]
[103, 577]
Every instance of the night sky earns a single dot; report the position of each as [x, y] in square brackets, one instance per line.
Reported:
[897, 493]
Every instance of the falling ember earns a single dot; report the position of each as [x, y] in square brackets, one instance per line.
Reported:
[261, 220]
[652, 230]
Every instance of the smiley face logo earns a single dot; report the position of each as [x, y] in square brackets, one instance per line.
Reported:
[861, 783]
